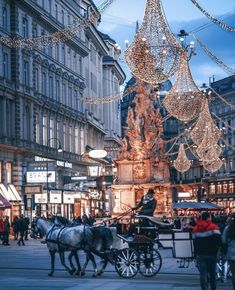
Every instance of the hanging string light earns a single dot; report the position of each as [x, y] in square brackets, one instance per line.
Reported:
[213, 19]
[182, 163]
[153, 56]
[226, 68]
[54, 38]
[205, 123]
[213, 165]
[184, 101]
[223, 99]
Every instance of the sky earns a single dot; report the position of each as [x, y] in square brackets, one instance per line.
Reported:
[119, 21]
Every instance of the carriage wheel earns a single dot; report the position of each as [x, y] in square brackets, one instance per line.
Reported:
[150, 263]
[127, 263]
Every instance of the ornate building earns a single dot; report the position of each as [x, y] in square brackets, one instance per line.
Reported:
[43, 93]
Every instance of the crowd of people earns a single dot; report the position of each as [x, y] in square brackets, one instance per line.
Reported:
[20, 229]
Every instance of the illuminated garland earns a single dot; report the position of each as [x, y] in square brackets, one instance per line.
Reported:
[213, 165]
[224, 122]
[182, 163]
[223, 99]
[184, 101]
[52, 39]
[226, 68]
[213, 19]
[153, 56]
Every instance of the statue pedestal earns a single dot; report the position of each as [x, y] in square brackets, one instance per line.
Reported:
[135, 178]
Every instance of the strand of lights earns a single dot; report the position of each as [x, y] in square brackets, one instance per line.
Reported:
[103, 6]
[223, 99]
[153, 56]
[213, 19]
[225, 124]
[226, 68]
[54, 38]
[182, 163]
[227, 144]
[184, 100]
[205, 123]
[173, 145]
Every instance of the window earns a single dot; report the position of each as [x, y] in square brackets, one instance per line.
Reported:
[62, 16]
[25, 27]
[76, 140]
[4, 18]
[58, 135]
[50, 6]
[80, 65]
[50, 51]
[6, 65]
[58, 90]
[8, 172]
[51, 87]
[57, 52]
[52, 131]
[63, 55]
[44, 84]
[69, 20]
[231, 187]
[36, 84]
[74, 61]
[82, 140]
[56, 11]
[69, 58]
[70, 138]
[64, 136]
[93, 83]
[225, 187]
[37, 128]
[44, 130]
[219, 188]
[43, 3]
[35, 30]
[64, 94]
[70, 101]
[26, 73]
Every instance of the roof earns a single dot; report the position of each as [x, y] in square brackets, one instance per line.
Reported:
[107, 37]
[196, 205]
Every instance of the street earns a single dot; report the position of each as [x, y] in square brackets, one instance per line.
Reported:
[26, 267]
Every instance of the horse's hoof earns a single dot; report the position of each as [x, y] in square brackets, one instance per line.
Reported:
[50, 274]
[94, 275]
[99, 273]
[78, 273]
[83, 273]
[72, 271]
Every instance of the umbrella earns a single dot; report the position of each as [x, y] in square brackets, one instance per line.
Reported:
[196, 205]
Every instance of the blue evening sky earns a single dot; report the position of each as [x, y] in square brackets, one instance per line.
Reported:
[119, 21]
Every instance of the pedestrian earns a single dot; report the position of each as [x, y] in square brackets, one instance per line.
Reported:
[15, 227]
[27, 222]
[207, 242]
[22, 228]
[6, 231]
[229, 242]
[177, 223]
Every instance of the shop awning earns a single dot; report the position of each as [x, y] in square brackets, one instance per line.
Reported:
[8, 194]
[12, 188]
[4, 203]
[197, 206]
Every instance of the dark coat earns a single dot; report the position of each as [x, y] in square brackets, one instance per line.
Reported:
[148, 205]
[207, 238]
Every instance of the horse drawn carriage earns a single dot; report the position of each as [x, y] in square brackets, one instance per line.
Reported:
[136, 252]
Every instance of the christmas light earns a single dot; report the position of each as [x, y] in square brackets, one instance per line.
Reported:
[213, 19]
[182, 163]
[204, 124]
[153, 56]
[184, 101]
[225, 67]
[213, 165]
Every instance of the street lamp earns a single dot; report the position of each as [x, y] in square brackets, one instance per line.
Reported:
[189, 47]
[59, 150]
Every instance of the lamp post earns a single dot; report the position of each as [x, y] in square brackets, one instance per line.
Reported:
[59, 150]
[190, 48]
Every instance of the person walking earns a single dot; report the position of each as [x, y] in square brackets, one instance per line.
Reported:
[22, 228]
[15, 227]
[6, 230]
[229, 242]
[27, 222]
[1, 229]
[207, 242]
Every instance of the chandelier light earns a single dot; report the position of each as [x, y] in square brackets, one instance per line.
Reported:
[204, 124]
[153, 56]
[213, 165]
[184, 101]
[182, 163]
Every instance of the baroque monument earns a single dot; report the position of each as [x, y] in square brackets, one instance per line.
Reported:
[141, 163]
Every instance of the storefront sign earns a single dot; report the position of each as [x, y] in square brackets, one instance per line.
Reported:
[55, 196]
[58, 162]
[33, 189]
[41, 198]
[68, 197]
[41, 172]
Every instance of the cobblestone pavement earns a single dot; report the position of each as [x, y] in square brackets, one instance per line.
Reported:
[26, 267]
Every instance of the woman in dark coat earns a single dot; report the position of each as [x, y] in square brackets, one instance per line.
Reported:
[15, 226]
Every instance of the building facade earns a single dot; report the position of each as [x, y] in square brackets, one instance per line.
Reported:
[43, 103]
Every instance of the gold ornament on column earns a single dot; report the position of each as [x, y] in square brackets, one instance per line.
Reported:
[182, 163]
[184, 101]
[153, 56]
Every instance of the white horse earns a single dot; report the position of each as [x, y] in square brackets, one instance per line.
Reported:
[60, 239]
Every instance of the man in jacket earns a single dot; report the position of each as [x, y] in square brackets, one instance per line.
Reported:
[147, 204]
[6, 228]
[22, 229]
[207, 241]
